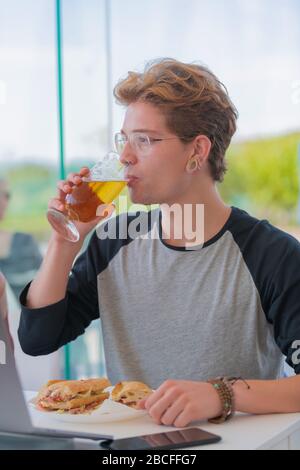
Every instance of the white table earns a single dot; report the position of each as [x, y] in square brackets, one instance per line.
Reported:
[253, 432]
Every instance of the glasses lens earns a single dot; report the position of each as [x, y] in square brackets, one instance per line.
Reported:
[120, 142]
[141, 142]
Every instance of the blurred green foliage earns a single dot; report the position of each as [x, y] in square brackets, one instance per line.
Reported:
[31, 187]
[262, 178]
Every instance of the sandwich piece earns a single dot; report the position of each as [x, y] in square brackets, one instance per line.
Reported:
[72, 396]
[130, 393]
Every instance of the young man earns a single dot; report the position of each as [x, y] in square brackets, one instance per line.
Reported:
[175, 315]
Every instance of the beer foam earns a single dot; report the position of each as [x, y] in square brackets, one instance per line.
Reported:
[107, 169]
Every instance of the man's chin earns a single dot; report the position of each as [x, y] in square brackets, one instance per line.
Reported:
[141, 199]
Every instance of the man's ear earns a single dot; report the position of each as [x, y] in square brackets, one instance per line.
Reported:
[202, 147]
[201, 150]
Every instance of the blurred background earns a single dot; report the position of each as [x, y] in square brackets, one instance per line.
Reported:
[59, 61]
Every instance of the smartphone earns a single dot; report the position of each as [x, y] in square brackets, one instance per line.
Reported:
[189, 437]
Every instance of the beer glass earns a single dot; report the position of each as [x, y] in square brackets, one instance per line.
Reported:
[103, 184]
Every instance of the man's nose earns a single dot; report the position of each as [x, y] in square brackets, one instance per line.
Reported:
[128, 155]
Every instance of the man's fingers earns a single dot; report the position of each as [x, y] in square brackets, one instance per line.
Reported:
[171, 412]
[55, 203]
[154, 397]
[74, 179]
[141, 404]
[105, 210]
[84, 171]
[64, 187]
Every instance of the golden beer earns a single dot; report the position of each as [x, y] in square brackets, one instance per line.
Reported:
[83, 201]
[105, 181]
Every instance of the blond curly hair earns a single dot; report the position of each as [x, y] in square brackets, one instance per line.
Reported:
[192, 100]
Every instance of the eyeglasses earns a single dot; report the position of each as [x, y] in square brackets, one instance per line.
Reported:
[139, 141]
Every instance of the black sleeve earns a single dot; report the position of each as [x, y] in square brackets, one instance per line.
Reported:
[283, 309]
[273, 259]
[44, 330]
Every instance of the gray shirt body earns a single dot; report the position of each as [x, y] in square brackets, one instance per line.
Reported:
[231, 307]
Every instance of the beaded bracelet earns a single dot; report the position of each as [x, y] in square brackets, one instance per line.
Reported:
[223, 386]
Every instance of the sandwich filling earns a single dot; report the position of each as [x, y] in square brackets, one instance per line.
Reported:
[74, 397]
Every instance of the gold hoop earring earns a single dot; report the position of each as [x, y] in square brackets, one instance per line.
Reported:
[192, 165]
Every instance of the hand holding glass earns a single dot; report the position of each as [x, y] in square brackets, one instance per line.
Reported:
[102, 185]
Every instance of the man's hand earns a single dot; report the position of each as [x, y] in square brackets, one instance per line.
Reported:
[66, 187]
[178, 402]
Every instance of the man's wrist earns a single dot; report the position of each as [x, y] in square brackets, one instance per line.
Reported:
[241, 394]
[229, 390]
[223, 387]
[56, 241]
[217, 402]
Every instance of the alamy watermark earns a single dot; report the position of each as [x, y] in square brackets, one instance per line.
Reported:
[180, 222]
[296, 354]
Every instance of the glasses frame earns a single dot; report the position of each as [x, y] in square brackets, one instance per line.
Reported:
[131, 137]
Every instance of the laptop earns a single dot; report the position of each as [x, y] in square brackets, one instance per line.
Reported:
[14, 415]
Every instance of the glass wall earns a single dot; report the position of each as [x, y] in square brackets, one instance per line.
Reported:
[28, 155]
[29, 142]
[28, 111]
[86, 132]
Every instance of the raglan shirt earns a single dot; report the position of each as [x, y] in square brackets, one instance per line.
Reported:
[229, 307]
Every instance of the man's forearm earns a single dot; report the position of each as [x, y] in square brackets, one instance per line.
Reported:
[268, 396]
[50, 284]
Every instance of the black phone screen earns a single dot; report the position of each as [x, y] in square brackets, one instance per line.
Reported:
[165, 440]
